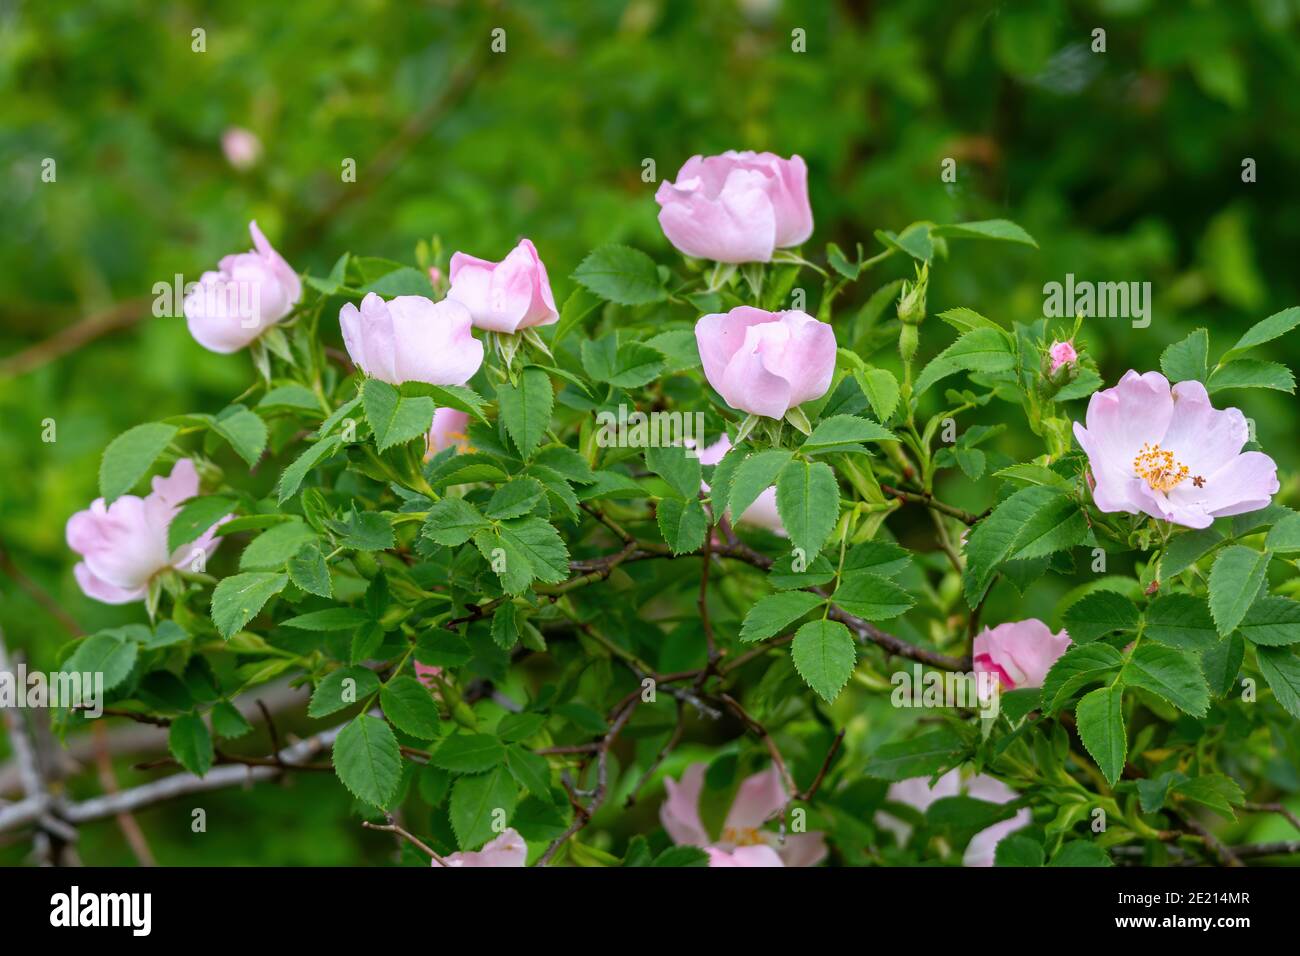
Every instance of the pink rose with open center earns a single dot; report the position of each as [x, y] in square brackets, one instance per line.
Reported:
[123, 545]
[504, 296]
[1170, 454]
[509, 849]
[249, 292]
[916, 792]
[737, 207]
[1020, 653]
[762, 513]
[765, 363]
[743, 841]
[450, 428]
[411, 339]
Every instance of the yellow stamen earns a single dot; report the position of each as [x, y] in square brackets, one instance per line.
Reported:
[1159, 468]
[742, 836]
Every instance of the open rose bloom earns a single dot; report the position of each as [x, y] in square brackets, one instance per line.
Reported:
[508, 849]
[1167, 452]
[766, 363]
[743, 841]
[917, 793]
[1020, 653]
[737, 207]
[450, 428]
[505, 296]
[249, 292]
[123, 545]
[411, 339]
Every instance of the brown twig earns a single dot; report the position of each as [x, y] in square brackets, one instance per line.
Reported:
[118, 316]
[406, 835]
[128, 824]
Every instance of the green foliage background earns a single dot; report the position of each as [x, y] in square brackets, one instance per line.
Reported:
[1124, 165]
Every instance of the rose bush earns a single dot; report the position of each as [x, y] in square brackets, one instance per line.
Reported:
[515, 632]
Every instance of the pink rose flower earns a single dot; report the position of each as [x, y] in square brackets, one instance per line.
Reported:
[1170, 454]
[450, 427]
[743, 841]
[762, 513]
[425, 674]
[765, 363]
[1020, 653]
[411, 339]
[242, 148]
[504, 296]
[1062, 353]
[250, 292]
[737, 207]
[917, 792]
[124, 545]
[509, 849]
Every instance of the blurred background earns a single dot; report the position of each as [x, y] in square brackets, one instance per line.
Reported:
[1125, 165]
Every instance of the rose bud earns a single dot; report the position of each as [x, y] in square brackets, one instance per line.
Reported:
[250, 292]
[737, 207]
[765, 363]
[411, 339]
[1020, 653]
[504, 296]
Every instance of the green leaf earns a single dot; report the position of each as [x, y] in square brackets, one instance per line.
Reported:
[1100, 720]
[1080, 853]
[329, 619]
[1284, 536]
[753, 476]
[1235, 580]
[1099, 613]
[409, 707]
[1031, 522]
[227, 722]
[522, 550]
[452, 522]
[1186, 549]
[808, 501]
[1217, 791]
[297, 397]
[526, 408]
[237, 599]
[515, 498]
[621, 274]
[824, 655]
[1181, 621]
[460, 397]
[871, 596]
[130, 455]
[1018, 850]
[980, 350]
[104, 653]
[1187, 359]
[1272, 621]
[292, 478]
[505, 626]
[881, 388]
[195, 517]
[308, 570]
[395, 420]
[368, 760]
[365, 531]
[1251, 373]
[682, 523]
[191, 744]
[678, 856]
[675, 466]
[468, 753]
[244, 431]
[1081, 665]
[1276, 325]
[1170, 674]
[342, 688]
[922, 756]
[479, 803]
[530, 770]
[1222, 663]
[772, 614]
[1281, 668]
[273, 548]
[844, 433]
[1000, 229]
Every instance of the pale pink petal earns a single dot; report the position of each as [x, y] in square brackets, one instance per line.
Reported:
[802, 849]
[743, 856]
[509, 849]
[680, 812]
[759, 797]
[101, 590]
[1019, 652]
